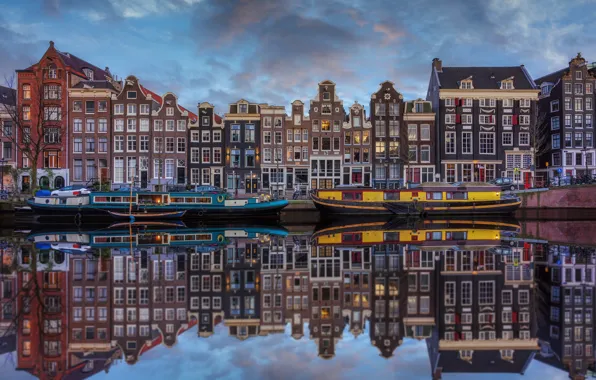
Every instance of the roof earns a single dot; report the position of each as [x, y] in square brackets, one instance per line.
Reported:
[427, 106]
[79, 64]
[484, 362]
[8, 96]
[95, 84]
[191, 115]
[485, 78]
[154, 96]
[552, 77]
[217, 118]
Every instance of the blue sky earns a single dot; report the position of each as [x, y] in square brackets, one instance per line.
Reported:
[277, 51]
[279, 356]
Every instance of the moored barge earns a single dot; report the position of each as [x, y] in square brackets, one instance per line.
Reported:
[429, 199]
[156, 205]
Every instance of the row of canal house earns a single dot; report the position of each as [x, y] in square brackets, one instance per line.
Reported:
[480, 310]
[476, 124]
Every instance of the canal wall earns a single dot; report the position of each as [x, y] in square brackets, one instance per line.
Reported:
[572, 232]
[571, 197]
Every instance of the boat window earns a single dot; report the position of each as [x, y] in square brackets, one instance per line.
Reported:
[116, 199]
[434, 235]
[348, 196]
[100, 199]
[358, 196]
[391, 236]
[204, 200]
[458, 195]
[458, 235]
[189, 200]
[391, 196]
[435, 195]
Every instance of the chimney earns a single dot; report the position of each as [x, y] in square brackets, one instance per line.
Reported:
[51, 44]
[438, 64]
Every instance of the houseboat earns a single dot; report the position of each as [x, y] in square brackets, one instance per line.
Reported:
[148, 234]
[156, 205]
[428, 199]
[431, 234]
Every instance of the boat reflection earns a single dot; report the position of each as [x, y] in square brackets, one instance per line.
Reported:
[483, 299]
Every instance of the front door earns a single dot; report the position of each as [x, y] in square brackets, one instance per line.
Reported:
[527, 179]
[181, 177]
[217, 180]
[481, 176]
[25, 183]
[366, 179]
[144, 179]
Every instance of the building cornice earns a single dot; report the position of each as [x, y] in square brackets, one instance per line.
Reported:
[489, 345]
[242, 116]
[419, 117]
[483, 94]
[90, 93]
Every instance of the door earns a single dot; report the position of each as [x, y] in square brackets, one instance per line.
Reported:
[25, 183]
[289, 181]
[217, 180]
[181, 177]
[366, 179]
[527, 180]
[144, 179]
[481, 175]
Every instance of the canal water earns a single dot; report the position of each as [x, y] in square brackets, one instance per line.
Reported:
[342, 299]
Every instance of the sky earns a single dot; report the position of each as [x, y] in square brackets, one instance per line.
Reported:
[279, 356]
[277, 51]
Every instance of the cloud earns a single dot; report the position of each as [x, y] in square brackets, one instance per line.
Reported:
[99, 10]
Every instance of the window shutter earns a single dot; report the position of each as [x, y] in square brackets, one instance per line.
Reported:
[490, 119]
[457, 319]
[514, 317]
[514, 119]
[458, 118]
[457, 102]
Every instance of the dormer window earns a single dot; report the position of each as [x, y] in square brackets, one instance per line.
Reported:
[326, 96]
[507, 354]
[169, 111]
[205, 121]
[466, 84]
[88, 73]
[545, 88]
[326, 109]
[507, 85]
[131, 95]
[466, 354]
[297, 119]
[52, 72]
[578, 75]
[419, 107]
[356, 122]
[242, 108]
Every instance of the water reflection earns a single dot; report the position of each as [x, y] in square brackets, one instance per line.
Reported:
[75, 301]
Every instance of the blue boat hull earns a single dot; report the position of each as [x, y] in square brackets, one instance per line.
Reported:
[265, 209]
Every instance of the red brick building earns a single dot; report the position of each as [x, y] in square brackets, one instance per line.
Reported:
[46, 84]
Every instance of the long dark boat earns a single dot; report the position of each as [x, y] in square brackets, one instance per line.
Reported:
[157, 205]
[429, 199]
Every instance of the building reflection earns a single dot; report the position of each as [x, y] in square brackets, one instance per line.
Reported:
[483, 300]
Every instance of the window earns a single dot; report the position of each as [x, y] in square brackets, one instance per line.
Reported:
[412, 132]
[425, 153]
[131, 109]
[568, 104]
[486, 293]
[554, 123]
[249, 133]
[53, 92]
[449, 293]
[170, 125]
[235, 133]
[144, 109]
[579, 104]
[556, 141]
[466, 147]
[450, 142]
[450, 119]
[158, 125]
[507, 138]
[466, 293]
[89, 145]
[554, 106]
[487, 143]
[589, 104]
[507, 120]
[524, 138]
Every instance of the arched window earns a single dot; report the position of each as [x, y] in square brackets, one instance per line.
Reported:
[59, 257]
[59, 182]
[44, 182]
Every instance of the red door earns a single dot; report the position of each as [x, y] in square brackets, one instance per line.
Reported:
[527, 180]
[481, 177]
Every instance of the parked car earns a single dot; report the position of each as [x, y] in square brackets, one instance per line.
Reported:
[505, 183]
[560, 181]
[207, 189]
[71, 191]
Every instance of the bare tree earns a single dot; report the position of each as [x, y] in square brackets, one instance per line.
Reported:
[540, 137]
[37, 123]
